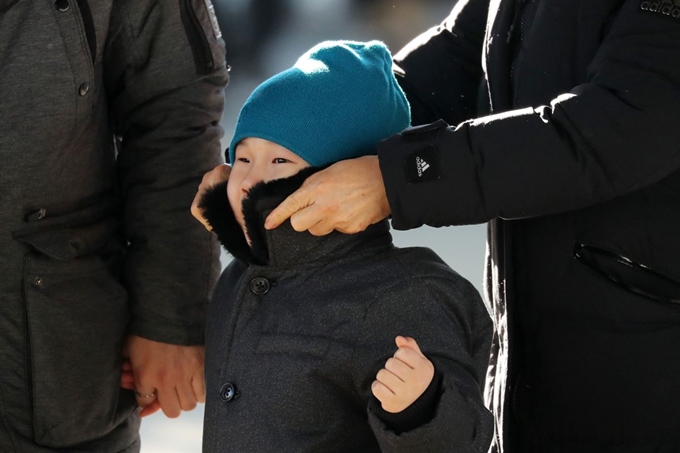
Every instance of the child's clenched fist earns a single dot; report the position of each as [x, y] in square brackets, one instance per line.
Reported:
[404, 378]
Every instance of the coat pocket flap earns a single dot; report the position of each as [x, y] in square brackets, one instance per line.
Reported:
[74, 234]
[66, 244]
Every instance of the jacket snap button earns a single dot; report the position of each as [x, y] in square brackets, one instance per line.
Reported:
[259, 286]
[61, 5]
[38, 281]
[228, 392]
[84, 89]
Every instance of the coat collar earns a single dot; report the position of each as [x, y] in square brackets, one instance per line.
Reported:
[283, 246]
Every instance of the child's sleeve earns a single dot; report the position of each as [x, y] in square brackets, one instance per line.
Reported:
[448, 320]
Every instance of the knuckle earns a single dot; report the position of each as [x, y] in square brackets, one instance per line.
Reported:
[293, 204]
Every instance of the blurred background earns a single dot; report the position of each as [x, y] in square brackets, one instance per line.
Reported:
[264, 37]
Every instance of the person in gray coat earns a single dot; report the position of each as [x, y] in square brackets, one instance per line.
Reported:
[109, 117]
[300, 345]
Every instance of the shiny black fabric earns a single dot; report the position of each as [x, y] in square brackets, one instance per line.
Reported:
[582, 149]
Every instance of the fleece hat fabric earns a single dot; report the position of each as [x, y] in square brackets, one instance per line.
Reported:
[337, 102]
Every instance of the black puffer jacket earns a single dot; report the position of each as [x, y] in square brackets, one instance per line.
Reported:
[299, 326]
[579, 178]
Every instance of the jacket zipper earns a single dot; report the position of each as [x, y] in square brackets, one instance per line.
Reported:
[520, 14]
[200, 47]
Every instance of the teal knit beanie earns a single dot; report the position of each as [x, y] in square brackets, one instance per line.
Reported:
[337, 102]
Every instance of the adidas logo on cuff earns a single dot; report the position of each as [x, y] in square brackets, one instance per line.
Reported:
[669, 8]
[422, 165]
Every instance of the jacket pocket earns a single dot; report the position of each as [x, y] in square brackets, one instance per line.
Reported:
[77, 316]
[630, 275]
[296, 345]
[204, 35]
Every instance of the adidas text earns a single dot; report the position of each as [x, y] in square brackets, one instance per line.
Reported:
[670, 8]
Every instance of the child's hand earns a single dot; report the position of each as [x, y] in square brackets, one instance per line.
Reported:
[404, 378]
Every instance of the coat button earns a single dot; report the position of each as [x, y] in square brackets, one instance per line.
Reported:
[61, 5]
[228, 392]
[259, 286]
[84, 89]
[38, 281]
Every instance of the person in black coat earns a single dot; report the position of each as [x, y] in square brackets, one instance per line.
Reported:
[578, 172]
[300, 344]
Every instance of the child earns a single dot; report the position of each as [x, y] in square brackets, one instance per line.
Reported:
[300, 346]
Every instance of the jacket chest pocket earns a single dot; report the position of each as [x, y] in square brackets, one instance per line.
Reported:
[47, 74]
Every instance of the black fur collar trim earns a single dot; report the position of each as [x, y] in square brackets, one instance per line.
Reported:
[261, 200]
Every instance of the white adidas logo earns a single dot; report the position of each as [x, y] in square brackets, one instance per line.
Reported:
[422, 166]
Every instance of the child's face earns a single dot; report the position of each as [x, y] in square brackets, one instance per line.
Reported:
[258, 160]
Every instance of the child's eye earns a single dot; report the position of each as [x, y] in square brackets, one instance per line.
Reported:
[243, 159]
[280, 160]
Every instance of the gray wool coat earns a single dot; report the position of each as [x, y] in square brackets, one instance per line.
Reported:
[299, 326]
[96, 238]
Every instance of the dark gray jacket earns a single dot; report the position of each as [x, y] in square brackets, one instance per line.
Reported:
[96, 239]
[579, 173]
[299, 327]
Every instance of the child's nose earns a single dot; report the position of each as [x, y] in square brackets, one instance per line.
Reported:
[253, 177]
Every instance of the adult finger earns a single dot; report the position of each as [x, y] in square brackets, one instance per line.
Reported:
[169, 402]
[145, 397]
[321, 229]
[127, 380]
[186, 397]
[150, 409]
[216, 176]
[198, 386]
[306, 218]
[298, 200]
